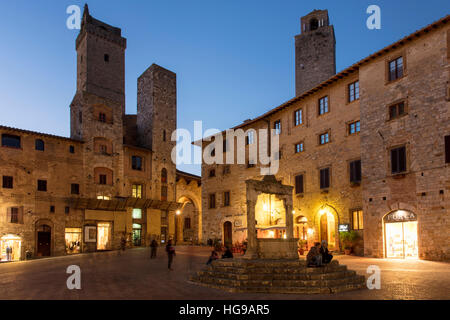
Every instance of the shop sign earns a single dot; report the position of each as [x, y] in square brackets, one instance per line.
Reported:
[90, 234]
[400, 216]
[344, 227]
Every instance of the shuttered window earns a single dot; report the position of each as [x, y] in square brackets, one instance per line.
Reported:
[212, 201]
[355, 171]
[7, 182]
[226, 198]
[15, 215]
[324, 178]
[299, 184]
[398, 160]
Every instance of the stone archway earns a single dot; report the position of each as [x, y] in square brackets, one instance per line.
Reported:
[187, 222]
[326, 222]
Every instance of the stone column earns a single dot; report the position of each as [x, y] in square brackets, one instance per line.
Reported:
[251, 252]
[289, 220]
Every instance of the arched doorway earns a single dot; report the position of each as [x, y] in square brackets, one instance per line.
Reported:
[227, 233]
[301, 228]
[44, 240]
[327, 228]
[400, 234]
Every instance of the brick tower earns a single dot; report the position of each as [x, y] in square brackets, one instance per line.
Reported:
[315, 51]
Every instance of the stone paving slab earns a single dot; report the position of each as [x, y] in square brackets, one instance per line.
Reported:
[132, 275]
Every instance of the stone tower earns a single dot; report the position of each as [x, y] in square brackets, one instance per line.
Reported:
[157, 119]
[315, 51]
[98, 108]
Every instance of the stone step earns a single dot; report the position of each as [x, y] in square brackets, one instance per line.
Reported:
[278, 276]
[290, 290]
[276, 270]
[276, 283]
[251, 264]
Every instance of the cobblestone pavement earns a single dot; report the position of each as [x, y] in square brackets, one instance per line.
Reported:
[132, 275]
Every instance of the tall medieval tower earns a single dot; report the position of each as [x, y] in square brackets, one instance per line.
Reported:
[315, 51]
[98, 108]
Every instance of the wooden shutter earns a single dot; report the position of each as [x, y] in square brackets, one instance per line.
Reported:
[20, 215]
[8, 214]
[394, 160]
[402, 159]
[358, 170]
[299, 184]
[447, 147]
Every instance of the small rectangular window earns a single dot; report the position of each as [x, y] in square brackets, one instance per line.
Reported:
[7, 182]
[396, 69]
[323, 105]
[52, 209]
[298, 117]
[14, 215]
[299, 184]
[39, 145]
[66, 210]
[324, 178]
[299, 147]
[42, 185]
[212, 173]
[71, 149]
[357, 220]
[226, 198]
[277, 126]
[397, 110]
[75, 188]
[324, 138]
[398, 160]
[355, 171]
[212, 201]
[354, 127]
[12, 141]
[353, 91]
[137, 213]
[102, 117]
[136, 163]
[102, 179]
[137, 191]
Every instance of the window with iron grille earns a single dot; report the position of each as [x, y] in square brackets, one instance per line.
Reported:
[42, 185]
[7, 182]
[353, 91]
[298, 117]
[396, 69]
[299, 184]
[354, 127]
[324, 178]
[398, 160]
[355, 171]
[323, 105]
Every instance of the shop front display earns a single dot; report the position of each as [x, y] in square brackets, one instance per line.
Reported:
[104, 236]
[10, 247]
[73, 237]
[401, 234]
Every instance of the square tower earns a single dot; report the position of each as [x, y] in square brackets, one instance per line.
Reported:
[315, 51]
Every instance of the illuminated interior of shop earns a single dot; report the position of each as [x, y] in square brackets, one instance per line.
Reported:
[270, 217]
[10, 247]
[73, 240]
[401, 235]
[103, 236]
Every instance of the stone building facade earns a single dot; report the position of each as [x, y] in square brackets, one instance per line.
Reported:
[341, 148]
[113, 179]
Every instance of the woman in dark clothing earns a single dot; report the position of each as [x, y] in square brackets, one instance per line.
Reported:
[326, 256]
[170, 254]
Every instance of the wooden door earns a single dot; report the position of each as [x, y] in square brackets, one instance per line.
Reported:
[324, 227]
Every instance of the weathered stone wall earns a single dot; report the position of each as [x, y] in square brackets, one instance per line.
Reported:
[424, 189]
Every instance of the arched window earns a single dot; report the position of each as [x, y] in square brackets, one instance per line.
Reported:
[164, 175]
[313, 24]
[39, 145]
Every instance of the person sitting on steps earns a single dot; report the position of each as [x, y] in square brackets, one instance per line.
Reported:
[326, 256]
[314, 258]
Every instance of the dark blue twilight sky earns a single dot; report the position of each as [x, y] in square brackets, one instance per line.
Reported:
[234, 59]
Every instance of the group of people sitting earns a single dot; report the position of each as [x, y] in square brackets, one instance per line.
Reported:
[318, 255]
[215, 255]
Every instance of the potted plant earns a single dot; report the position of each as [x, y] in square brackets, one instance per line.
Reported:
[348, 239]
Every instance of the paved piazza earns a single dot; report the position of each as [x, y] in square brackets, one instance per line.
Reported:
[132, 275]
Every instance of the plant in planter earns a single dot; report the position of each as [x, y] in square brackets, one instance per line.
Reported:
[348, 239]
